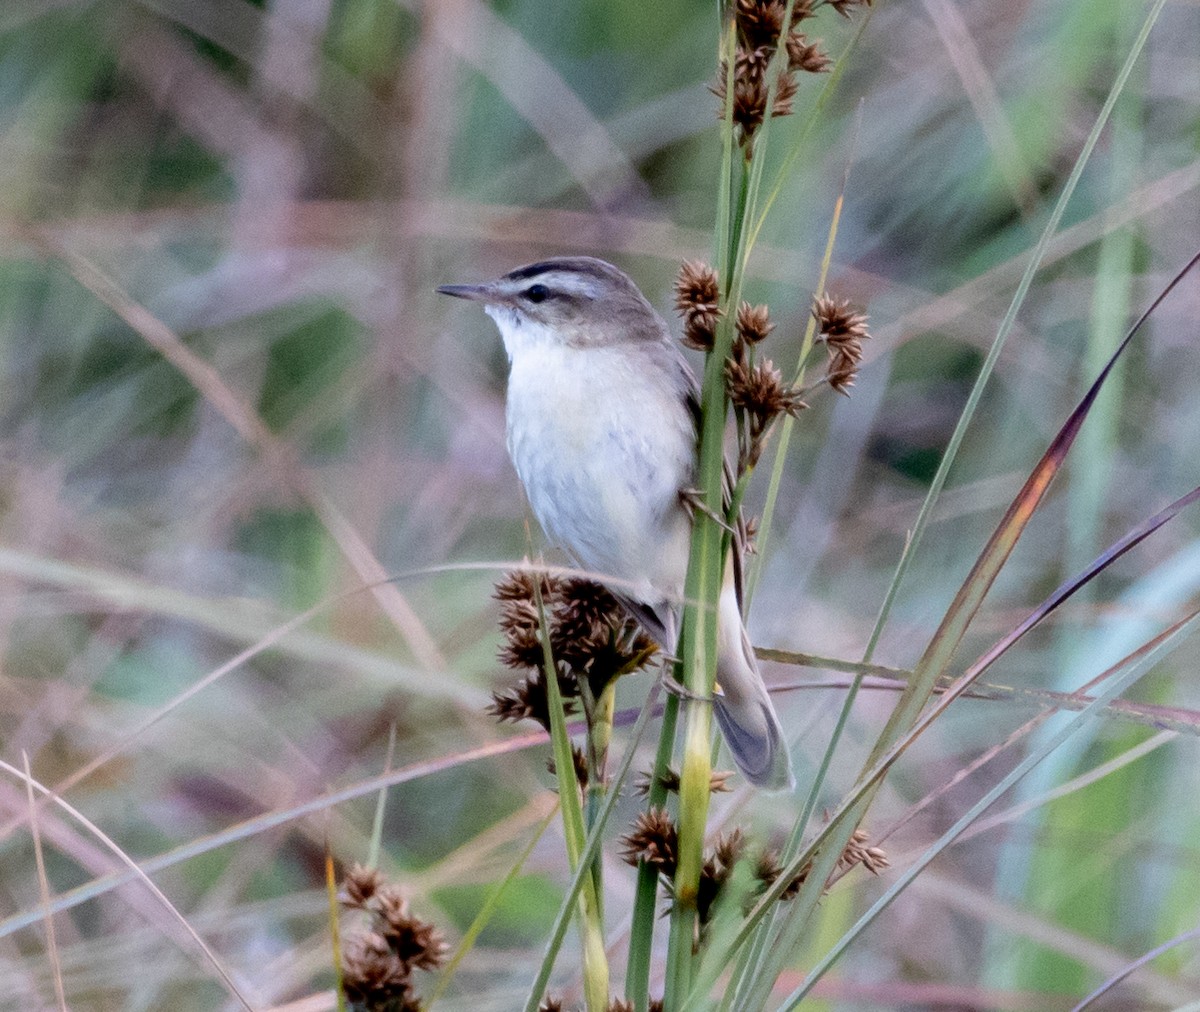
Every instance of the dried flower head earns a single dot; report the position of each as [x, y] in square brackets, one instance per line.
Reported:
[579, 761]
[359, 885]
[696, 287]
[729, 848]
[719, 860]
[653, 839]
[718, 781]
[768, 869]
[585, 617]
[753, 323]
[760, 31]
[551, 1003]
[518, 585]
[417, 943]
[759, 22]
[590, 635]
[528, 700]
[697, 294]
[758, 390]
[620, 1005]
[521, 626]
[806, 56]
[843, 330]
[801, 10]
[372, 975]
[874, 859]
[749, 102]
[378, 960]
[838, 321]
[785, 92]
[750, 62]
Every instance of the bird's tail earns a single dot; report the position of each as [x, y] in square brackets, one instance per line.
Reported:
[743, 707]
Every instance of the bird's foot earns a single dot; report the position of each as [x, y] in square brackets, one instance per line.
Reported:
[693, 501]
[677, 688]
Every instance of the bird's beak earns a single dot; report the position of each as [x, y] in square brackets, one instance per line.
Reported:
[476, 293]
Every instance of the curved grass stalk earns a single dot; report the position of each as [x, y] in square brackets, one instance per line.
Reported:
[136, 873]
[588, 854]
[262, 823]
[962, 610]
[1006, 324]
[486, 911]
[591, 923]
[906, 723]
[1134, 666]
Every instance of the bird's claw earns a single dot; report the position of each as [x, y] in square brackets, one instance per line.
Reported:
[693, 501]
[677, 688]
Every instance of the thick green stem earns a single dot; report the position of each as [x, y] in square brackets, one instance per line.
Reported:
[591, 926]
[645, 899]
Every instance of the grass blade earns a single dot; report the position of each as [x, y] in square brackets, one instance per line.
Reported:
[1130, 669]
[590, 849]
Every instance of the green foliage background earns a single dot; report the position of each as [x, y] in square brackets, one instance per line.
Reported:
[278, 188]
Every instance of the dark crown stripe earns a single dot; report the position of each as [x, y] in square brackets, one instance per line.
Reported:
[564, 266]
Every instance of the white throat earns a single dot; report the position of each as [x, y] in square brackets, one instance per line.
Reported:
[521, 334]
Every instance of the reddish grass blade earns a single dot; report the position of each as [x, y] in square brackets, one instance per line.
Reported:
[967, 601]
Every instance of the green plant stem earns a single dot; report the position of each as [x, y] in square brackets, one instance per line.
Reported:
[599, 717]
[918, 688]
[490, 905]
[591, 849]
[751, 955]
[698, 629]
[645, 899]
[703, 587]
[591, 926]
[785, 427]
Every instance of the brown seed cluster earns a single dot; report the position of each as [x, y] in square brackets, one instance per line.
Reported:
[760, 27]
[768, 868]
[718, 781]
[756, 389]
[843, 330]
[697, 293]
[759, 396]
[591, 638]
[753, 323]
[655, 840]
[874, 859]
[856, 852]
[579, 761]
[378, 960]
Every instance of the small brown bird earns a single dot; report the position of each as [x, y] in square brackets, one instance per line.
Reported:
[601, 415]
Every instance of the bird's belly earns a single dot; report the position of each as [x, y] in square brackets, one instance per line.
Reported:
[602, 473]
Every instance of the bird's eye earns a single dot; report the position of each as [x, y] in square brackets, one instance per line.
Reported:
[537, 293]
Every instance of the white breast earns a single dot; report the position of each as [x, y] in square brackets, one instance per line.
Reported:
[603, 444]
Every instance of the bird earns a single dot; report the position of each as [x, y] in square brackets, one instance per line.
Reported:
[601, 420]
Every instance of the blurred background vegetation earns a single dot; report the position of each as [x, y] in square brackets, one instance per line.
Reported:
[229, 394]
